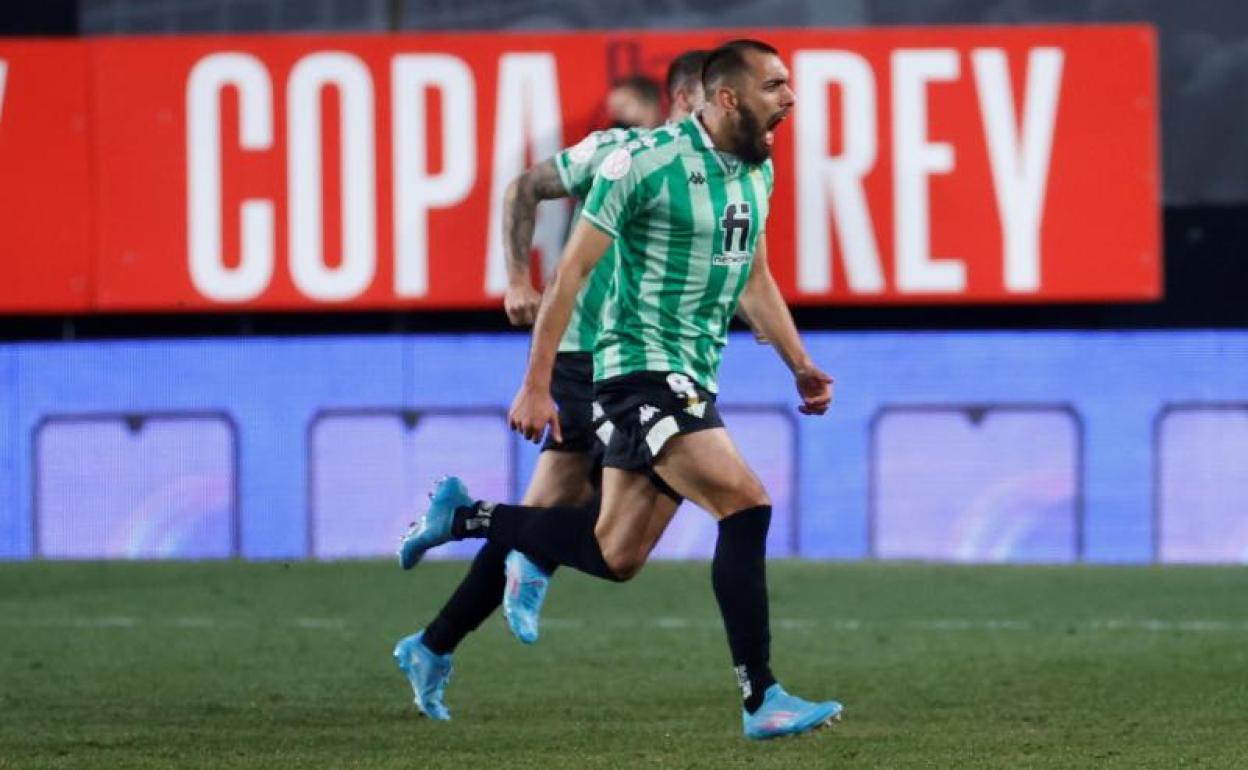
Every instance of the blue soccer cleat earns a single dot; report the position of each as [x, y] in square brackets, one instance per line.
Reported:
[523, 595]
[428, 673]
[434, 528]
[784, 714]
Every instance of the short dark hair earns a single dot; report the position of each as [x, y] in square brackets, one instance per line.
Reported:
[644, 87]
[729, 60]
[683, 69]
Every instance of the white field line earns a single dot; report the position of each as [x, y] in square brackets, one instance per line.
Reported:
[680, 623]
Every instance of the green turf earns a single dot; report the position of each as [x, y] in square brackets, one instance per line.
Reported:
[288, 666]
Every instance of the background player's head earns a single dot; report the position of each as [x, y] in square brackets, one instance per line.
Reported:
[747, 82]
[635, 102]
[684, 84]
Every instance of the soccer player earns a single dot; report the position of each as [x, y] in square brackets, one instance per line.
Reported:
[685, 210]
[635, 102]
[566, 468]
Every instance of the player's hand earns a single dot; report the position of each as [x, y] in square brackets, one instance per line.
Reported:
[531, 411]
[815, 388]
[521, 302]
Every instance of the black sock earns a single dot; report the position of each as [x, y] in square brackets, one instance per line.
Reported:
[561, 535]
[739, 576]
[472, 520]
[478, 595]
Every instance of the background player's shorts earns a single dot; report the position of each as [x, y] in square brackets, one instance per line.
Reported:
[572, 387]
[636, 414]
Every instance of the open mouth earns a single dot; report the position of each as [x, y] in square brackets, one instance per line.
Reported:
[770, 136]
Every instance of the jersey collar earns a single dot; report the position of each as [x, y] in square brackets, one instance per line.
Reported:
[728, 163]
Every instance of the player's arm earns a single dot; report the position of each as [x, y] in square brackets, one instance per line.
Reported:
[533, 408]
[538, 183]
[744, 317]
[769, 314]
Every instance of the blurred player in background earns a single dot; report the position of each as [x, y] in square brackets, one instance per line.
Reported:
[684, 209]
[635, 102]
[566, 469]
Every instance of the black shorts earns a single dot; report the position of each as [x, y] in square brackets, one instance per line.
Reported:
[572, 387]
[638, 413]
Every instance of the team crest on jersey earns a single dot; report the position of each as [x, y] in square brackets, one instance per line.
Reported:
[584, 149]
[616, 165]
[736, 224]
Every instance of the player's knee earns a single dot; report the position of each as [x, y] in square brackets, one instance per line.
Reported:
[624, 563]
[755, 496]
[748, 493]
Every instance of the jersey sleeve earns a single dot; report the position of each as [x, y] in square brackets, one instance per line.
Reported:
[578, 164]
[616, 192]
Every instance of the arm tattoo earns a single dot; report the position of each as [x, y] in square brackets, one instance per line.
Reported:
[540, 182]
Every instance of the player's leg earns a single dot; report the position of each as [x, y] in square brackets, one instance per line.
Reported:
[562, 535]
[562, 478]
[706, 467]
[566, 475]
[635, 513]
[614, 541]
[608, 541]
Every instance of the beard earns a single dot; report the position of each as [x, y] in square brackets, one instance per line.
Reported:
[750, 145]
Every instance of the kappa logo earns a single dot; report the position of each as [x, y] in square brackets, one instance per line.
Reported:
[697, 177]
[647, 413]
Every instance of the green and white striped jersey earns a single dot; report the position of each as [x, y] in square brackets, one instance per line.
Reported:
[686, 220]
[577, 166]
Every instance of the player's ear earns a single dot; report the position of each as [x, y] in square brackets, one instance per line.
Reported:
[681, 99]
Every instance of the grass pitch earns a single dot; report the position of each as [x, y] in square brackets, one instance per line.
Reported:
[288, 666]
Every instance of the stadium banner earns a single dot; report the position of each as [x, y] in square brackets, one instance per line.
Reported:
[941, 164]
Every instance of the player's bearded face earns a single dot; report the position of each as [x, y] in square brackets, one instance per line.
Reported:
[752, 145]
[761, 106]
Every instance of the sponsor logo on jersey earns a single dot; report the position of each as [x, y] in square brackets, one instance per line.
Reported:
[736, 224]
[697, 177]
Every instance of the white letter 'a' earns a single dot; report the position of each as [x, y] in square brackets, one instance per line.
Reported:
[1020, 169]
[528, 108]
[416, 191]
[209, 273]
